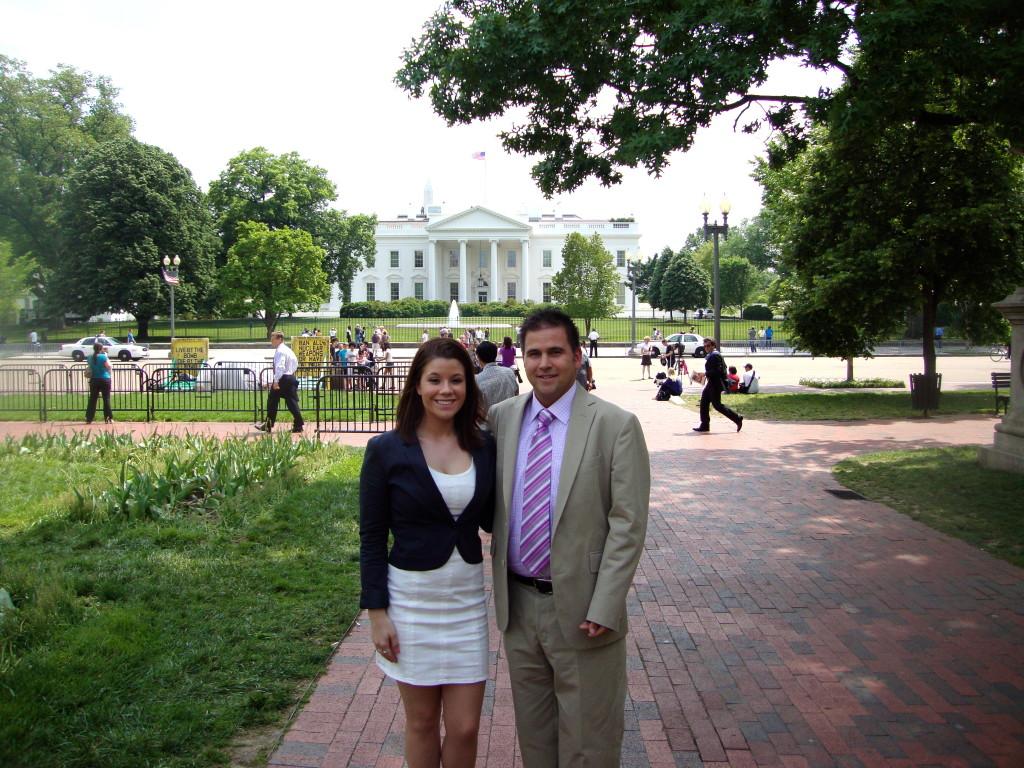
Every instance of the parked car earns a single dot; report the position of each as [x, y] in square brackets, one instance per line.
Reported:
[114, 348]
[693, 344]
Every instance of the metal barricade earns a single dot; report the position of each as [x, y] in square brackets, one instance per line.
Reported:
[204, 390]
[21, 392]
[66, 392]
[358, 399]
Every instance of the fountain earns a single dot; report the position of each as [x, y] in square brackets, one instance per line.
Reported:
[454, 321]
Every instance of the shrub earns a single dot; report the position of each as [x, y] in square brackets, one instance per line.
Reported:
[855, 384]
[757, 312]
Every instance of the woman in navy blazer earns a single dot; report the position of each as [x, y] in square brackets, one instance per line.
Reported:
[429, 485]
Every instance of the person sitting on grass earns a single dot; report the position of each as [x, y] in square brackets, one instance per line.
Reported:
[668, 386]
[749, 384]
[734, 380]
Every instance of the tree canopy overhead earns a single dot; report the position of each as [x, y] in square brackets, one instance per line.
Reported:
[608, 84]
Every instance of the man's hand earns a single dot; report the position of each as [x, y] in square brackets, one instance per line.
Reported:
[275, 385]
[593, 629]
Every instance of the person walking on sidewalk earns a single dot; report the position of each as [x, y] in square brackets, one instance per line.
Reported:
[715, 382]
[569, 524]
[284, 385]
[428, 485]
[99, 384]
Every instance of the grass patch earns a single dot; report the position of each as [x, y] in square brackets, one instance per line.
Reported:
[155, 639]
[946, 489]
[849, 406]
[853, 383]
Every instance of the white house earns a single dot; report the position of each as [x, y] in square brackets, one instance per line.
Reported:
[480, 255]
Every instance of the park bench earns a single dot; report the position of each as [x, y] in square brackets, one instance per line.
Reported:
[1001, 380]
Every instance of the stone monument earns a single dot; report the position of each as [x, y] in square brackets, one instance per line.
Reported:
[1007, 450]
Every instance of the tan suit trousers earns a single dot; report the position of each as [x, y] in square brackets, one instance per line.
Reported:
[569, 702]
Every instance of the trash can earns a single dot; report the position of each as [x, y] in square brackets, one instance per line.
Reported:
[924, 391]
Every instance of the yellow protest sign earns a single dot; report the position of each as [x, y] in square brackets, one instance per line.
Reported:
[311, 350]
[190, 353]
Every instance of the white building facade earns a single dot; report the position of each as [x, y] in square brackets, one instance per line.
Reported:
[481, 255]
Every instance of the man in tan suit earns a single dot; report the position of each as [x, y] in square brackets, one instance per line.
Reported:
[573, 486]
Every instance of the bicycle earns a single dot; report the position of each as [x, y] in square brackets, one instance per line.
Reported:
[999, 352]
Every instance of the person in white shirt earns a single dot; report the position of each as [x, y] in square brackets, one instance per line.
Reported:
[749, 384]
[285, 385]
[593, 336]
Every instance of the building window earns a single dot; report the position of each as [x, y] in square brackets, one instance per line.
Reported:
[620, 294]
[545, 292]
[453, 291]
[394, 259]
[482, 263]
[620, 258]
[417, 290]
[417, 259]
[482, 296]
[371, 291]
[511, 260]
[394, 291]
[510, 293]
[453, 259]
[546, 259]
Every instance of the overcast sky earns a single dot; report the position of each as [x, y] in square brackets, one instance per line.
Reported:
[206, 80]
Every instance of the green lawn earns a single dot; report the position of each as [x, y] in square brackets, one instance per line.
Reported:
[157, 641]
[847, 406]
[946, 489]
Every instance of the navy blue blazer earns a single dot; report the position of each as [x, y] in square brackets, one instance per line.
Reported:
[397, 495]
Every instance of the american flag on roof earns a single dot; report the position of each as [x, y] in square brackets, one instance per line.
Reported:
[169, 278]
[479, 155]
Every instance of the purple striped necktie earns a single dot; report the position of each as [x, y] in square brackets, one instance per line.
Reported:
[535, 533]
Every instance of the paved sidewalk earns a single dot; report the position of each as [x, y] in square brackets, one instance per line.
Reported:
[773, 624]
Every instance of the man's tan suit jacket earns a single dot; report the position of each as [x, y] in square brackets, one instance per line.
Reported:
[599, 520]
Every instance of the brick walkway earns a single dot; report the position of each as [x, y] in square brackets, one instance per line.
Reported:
[773, 624]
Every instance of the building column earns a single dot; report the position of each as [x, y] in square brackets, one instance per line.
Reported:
[429, 253]
[525, 244]
[463, 273]
[495, 281]
[438, 256]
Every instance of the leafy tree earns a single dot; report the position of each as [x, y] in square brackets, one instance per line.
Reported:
[607, 84]
[46, 126]
[128, 205]
[275, 271]
[685, 284]
[657, 268]
[15, 278]
[585, 285]
[899, 221]
[736, 279]
[287, 192]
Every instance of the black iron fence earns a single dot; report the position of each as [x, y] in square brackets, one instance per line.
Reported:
[344, 398]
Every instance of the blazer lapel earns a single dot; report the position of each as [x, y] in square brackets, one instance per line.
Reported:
[580, 421]
[510, 447]
[419, 462]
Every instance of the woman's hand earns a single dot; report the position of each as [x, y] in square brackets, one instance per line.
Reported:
[384, 634]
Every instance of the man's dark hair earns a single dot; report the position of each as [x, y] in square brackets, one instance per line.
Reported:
[549, 317]
[486, 352]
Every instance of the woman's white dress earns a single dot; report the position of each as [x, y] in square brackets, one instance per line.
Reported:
[441, 615]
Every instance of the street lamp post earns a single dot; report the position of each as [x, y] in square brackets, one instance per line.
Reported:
[171, 278]
[713, 231]
[633, 264]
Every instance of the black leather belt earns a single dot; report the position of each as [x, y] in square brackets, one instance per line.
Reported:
[543, 586]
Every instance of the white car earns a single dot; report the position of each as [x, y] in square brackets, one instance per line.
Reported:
[693, 344]
[114, 348]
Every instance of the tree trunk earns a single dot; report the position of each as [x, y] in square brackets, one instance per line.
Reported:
[929, 307]
[143, 326]
[270, 320]
[849, 369]
[586, 324]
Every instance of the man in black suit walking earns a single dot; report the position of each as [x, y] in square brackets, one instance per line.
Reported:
[714, 385]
